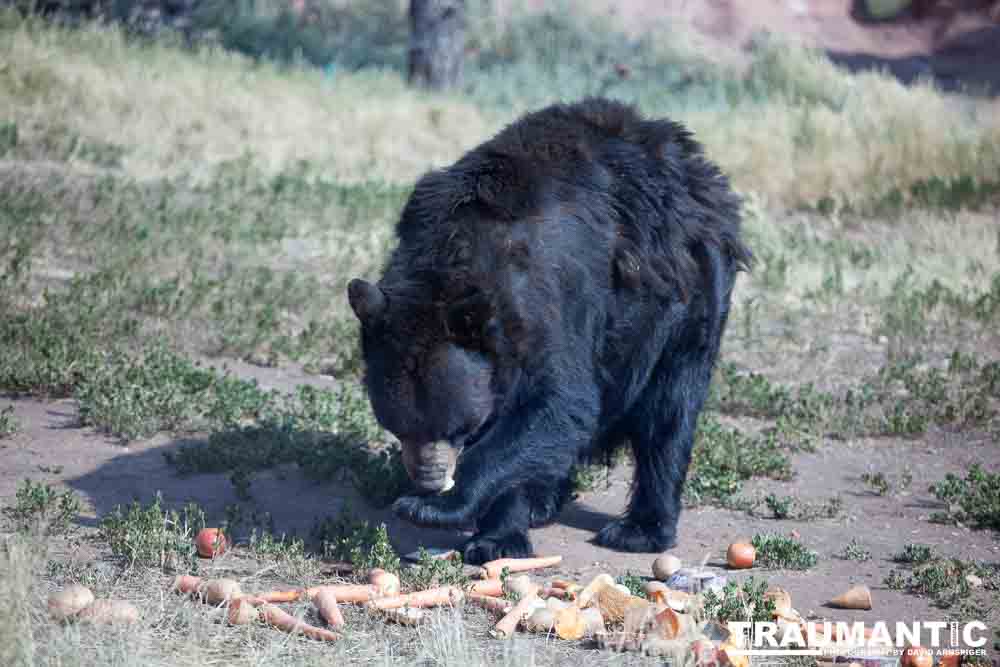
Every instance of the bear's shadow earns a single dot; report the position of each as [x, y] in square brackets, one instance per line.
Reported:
[293, 502]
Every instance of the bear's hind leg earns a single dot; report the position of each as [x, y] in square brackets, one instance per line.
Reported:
[661, 430]
[661, 425]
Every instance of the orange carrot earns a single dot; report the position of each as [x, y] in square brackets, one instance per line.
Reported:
[490, 603]
[432, 597]
[506, 626]
[561, 583]
[325, 602]
[282, 596]
[491, 587]
[492, 569]
[279, 618]
[343, 593]
[347, 593]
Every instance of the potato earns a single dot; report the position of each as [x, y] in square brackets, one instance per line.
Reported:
[69, 601]
[664, 566]
[217, 591]
[109, 612]
[242, 611]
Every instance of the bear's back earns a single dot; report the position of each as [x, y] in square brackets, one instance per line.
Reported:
[646, 181]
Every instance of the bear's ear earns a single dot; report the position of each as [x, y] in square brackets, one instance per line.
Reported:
[367, 300]
[467, 317]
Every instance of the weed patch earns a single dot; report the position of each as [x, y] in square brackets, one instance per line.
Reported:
[9, 423]
[739, 602]
[946, 581]
[914, 553]
[974, 500]
[357, 542]
[782, 552]
[903, 398]
[634, 583]
[856, 551]
[41, 509]
[794, 509]
[151, 536]
[429, 572]
[877, 482]
[135, 397]
[724, 458]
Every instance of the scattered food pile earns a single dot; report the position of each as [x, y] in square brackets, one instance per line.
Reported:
[666, 619]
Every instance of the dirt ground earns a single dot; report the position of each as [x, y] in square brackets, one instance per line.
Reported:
[51, 447]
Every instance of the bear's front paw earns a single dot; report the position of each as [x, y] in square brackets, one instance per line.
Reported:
[438, 511]
[625, 535]
[484, 548]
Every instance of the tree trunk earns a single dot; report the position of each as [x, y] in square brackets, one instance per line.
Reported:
[437, 42]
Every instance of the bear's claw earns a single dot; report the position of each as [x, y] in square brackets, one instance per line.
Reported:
[437, 511]
[484, 548]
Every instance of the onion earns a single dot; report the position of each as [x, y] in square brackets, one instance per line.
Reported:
[740, 555]
[210, 542]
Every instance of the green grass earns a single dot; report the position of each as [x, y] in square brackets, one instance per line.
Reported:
[151, 535]
[856, 551]
[42, 509]
[877, 482]
[323, 432]
[973, 500]
[724, 458]
[363, 545]
[430, 572]
[914, 553]
[742, 602]
[782, 552]
[9, 423]
[795, 509]
[946, 581]
[635, 584]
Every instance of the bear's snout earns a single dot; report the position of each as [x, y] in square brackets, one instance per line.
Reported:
[431, 466]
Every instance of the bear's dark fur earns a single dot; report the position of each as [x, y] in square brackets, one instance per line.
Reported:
[560, 290]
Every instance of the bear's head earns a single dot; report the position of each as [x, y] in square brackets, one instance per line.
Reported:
[428, 376]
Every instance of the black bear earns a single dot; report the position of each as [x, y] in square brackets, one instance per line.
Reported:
[559, 291]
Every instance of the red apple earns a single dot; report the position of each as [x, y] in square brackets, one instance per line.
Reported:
[210, 542]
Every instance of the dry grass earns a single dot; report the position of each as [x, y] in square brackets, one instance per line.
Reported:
[175, 631]
[822, 133]
[178, 113]
[796, 131]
